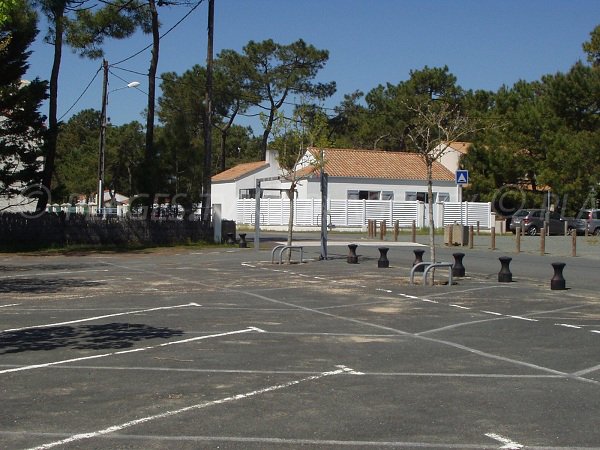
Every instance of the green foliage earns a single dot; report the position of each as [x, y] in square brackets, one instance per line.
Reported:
[21, 124]
[77, 163]
[118, 20]
[592, 47]
[273, 71]
[182, 115]
[384, 121]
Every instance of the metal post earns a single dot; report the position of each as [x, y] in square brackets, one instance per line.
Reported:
[324, 183]
[257, 195]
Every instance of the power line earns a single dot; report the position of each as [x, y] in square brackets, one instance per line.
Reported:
[81, 95]
[162, 35]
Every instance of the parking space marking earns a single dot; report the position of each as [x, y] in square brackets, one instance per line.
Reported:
[134, 350]
[508, 443]
[277, 387]
[453, 305]
[105, 316]
[7, 306]
[522, 318]
[492, 313]
[566, 325]
[586, 371]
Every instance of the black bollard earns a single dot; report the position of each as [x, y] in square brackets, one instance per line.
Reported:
[458, 270]
[558, 282]
[352, 257]
[230, 239]
[505, 275]
[243, 243]
[383, 261]
[419, 259]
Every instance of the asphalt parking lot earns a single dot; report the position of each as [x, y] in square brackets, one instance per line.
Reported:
[219, 348]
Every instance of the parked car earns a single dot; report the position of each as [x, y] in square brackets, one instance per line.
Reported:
[531, 221]
[588, 219]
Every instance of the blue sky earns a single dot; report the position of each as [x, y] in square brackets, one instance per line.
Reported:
[485, 44]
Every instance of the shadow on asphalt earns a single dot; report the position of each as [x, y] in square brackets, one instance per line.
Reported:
[84, 337]
[35, 285]
[45, 267]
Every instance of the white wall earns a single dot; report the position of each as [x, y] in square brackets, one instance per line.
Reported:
[225, 194]
[450, 159]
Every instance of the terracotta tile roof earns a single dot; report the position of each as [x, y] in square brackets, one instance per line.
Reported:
[240, 171]
[380, 164]
[460, 147]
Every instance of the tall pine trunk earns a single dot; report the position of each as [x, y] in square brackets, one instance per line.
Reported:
[52, 133]
[149, 157]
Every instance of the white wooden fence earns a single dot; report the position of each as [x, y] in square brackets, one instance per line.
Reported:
[357, 213]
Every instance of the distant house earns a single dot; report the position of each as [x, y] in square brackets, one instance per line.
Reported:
[451, 157]
[353, 175]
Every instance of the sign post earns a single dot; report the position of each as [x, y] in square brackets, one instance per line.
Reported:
[462, 178]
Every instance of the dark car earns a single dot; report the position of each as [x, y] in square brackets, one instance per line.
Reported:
[531, 221]
[588, 220]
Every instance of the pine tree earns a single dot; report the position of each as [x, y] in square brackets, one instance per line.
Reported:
[21, 124]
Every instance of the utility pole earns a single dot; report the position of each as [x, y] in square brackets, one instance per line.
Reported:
[101, 150]
[206, 185]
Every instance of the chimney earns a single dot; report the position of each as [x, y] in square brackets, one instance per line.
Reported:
[271, 157]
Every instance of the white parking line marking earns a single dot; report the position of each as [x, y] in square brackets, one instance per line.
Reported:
[233, 398]
[383, 290]
[89, 319]
[134, 350]
[508, 444]
[428, 300]
[492, 312]
[12, 304]
[522, 318]
[566, 325]
[458, 306]
[595, 331]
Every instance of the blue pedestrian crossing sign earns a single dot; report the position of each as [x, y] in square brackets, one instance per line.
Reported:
[462, 177]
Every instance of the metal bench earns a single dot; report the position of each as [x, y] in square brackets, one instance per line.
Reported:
[428, 266]
[283, 248]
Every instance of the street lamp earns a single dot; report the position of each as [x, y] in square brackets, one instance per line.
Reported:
[103, 124]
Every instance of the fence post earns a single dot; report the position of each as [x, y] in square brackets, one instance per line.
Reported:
[574, 242]
[471, 236]
[493, 237]
[396, 229]
[414, 231]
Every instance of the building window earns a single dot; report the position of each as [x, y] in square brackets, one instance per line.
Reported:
[419, 196]
[352, 195]
[443, 197]
[247, 193]
[370, 195]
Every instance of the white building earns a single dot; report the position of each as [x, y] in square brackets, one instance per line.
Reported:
[451, 156]
[353, 175]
